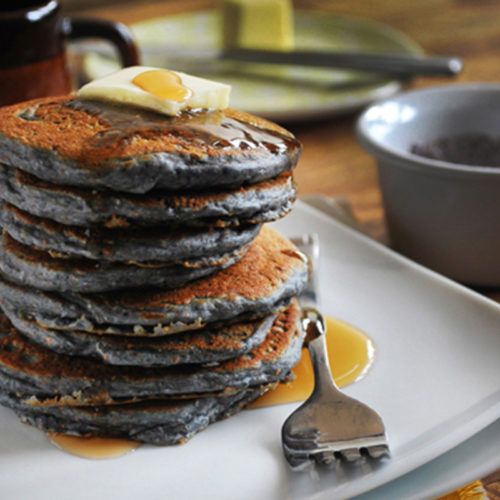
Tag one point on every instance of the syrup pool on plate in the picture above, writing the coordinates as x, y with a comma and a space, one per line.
92, 447
350, 352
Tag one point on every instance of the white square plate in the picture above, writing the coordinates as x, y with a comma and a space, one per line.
435, 381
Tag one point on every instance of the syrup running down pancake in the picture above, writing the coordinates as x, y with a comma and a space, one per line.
96, 144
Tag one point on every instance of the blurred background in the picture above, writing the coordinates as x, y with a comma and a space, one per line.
333, 163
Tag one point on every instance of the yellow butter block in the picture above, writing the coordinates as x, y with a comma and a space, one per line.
257, 24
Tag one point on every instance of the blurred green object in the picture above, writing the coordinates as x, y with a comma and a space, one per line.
257, 24
281, 93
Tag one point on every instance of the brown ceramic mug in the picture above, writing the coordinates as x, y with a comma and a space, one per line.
32, 51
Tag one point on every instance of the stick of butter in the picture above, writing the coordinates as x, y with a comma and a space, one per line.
257, 24
161, 90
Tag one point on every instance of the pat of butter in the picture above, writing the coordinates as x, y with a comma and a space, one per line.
160, 90
257, 24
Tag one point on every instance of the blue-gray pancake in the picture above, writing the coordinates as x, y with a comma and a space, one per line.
270, 273
262, 202
123, 245
25, 265
41, 374
96, 144
209, 345
160, 422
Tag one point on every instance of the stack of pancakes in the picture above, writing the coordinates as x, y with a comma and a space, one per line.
142, 295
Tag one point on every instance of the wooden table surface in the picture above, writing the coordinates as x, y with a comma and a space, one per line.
333, 163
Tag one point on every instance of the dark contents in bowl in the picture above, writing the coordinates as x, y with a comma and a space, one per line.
479, 150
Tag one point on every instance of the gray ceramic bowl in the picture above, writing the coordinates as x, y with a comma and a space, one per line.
444, 215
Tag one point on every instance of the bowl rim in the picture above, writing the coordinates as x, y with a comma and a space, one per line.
379, 149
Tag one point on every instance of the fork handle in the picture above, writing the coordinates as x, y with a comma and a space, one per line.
314, 326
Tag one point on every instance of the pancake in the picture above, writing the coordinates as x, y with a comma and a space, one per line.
29, 369
161, 422
25, 265
95, 144
143, 245
143, 331
203, 346
270, 273
262, 202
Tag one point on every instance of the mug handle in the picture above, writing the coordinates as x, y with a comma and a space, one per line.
117, 33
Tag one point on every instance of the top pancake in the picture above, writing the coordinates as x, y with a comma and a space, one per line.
95, 144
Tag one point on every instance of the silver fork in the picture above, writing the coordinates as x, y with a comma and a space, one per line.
329, 426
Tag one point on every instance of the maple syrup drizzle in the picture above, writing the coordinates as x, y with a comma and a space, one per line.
214, 128
350, 353
92, 447
162, 83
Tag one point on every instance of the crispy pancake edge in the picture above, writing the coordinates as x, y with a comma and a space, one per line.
55, 142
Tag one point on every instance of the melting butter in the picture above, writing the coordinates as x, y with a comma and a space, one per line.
160, 90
